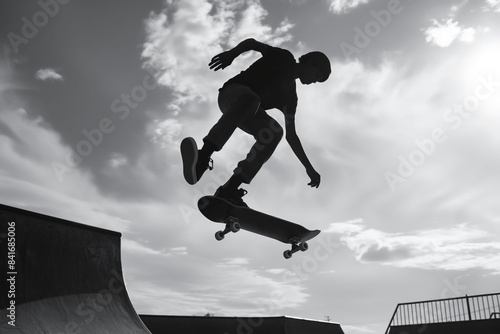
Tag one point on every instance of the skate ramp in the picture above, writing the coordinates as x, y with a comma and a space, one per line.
67, 278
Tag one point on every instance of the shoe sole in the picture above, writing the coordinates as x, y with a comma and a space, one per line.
189, 153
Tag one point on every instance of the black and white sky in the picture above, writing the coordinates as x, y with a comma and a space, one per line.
95, 97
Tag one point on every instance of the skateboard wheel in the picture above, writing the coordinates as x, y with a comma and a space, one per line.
287, 254
303, 246
235, 227
219, 235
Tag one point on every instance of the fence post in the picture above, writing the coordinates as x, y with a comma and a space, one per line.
468, 307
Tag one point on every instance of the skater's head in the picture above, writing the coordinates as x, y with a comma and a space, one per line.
315, 67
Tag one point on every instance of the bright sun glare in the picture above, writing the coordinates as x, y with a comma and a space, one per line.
482, 65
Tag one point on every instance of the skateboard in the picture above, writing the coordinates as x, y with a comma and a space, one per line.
235, 218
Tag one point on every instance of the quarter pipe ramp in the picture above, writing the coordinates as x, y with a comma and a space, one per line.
62, 277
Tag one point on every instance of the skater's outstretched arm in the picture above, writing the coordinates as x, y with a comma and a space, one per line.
224, 59
294, 141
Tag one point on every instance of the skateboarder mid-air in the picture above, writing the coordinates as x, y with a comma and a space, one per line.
268, 83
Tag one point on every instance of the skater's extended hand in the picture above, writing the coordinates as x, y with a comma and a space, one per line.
222, 60
315, 178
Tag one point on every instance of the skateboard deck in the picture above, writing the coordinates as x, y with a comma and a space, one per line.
235, 218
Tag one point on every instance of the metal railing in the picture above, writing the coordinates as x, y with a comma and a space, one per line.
478, 307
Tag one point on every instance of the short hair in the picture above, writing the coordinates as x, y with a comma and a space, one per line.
320, 61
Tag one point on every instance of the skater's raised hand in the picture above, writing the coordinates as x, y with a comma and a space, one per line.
222, 60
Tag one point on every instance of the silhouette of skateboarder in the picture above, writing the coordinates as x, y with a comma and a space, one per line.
268, 83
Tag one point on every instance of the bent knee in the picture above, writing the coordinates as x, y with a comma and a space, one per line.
271, 134
277, 130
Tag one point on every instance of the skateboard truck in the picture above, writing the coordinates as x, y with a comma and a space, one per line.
232, 225
296, 246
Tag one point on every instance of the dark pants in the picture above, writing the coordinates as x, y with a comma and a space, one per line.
240, 108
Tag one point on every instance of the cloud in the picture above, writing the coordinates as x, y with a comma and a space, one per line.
460, 247
457, 8
344, 6
444, 34
166, 132
181, 40
187, 34
232, 262
28, 148
492, 5
117, 160
467, 35
230, 286
48, 74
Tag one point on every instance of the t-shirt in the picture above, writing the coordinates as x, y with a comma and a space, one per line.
271, 77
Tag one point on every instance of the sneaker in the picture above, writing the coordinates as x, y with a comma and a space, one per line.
193, 164
232, 195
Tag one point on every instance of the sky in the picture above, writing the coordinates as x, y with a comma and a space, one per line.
95, 97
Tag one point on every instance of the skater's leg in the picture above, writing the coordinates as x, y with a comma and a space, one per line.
195, 162
237, 103
267, 133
